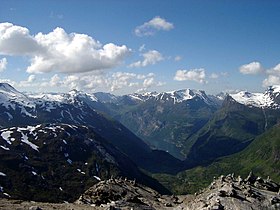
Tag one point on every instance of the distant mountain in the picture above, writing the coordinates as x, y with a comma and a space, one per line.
14, 106
57, 162
77, 108
269, 99
232, 128
165, 120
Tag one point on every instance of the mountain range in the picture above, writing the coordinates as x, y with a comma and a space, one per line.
165, 135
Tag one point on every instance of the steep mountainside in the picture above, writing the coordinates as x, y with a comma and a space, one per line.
78, 109
165, 120
57, 162
231, 129
261, 157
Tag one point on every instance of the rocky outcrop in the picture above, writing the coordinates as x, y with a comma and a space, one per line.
125, 194
224, 193
230, 192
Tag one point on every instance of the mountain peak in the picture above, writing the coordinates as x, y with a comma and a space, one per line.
7, 87
176, 96
261, 100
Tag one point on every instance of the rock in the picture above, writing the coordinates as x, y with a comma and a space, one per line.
124, 193
227, 191
168, 205
275, 200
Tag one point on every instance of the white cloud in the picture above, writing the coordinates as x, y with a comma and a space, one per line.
16, 40
118, 81
148, 82
214, 76
197, 75
58, 51
273, 76
275, 70
177, 58
31, 78
55, 81
3, 64
149, 58
271, 80
29, 82
251, 68
150, 28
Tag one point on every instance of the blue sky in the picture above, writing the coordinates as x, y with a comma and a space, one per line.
128, 46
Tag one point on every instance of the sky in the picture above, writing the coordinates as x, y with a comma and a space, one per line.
126, 46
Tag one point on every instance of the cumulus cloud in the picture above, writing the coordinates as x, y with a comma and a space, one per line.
271, 80
273, 76
275, 70
110, 82
59, 51
3, 64
197, 75
251, 68
156, 24
16, 40
29, 82
149, 58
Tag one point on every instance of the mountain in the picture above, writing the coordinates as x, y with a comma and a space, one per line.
230, 192
57, 162
261, 157
77, 108
242, 117
165, 120
269, 99
15, 107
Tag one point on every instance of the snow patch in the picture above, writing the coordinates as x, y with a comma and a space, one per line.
6, 135
97, 178
260, 100
69, 161
24, 139
5, 148
2, 174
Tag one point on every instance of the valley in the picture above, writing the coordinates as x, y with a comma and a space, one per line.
55, 146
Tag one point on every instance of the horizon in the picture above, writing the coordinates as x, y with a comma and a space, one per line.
144, 92
127, 47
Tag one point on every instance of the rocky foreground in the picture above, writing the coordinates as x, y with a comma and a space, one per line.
225, 192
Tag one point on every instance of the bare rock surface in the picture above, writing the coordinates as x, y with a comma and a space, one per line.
125, 194
230, 192
224, 193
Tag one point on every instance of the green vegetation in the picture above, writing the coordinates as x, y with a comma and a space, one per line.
262, 157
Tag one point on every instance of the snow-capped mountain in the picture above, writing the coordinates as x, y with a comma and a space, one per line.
177, 96
11, 99
74, 108
268, 99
